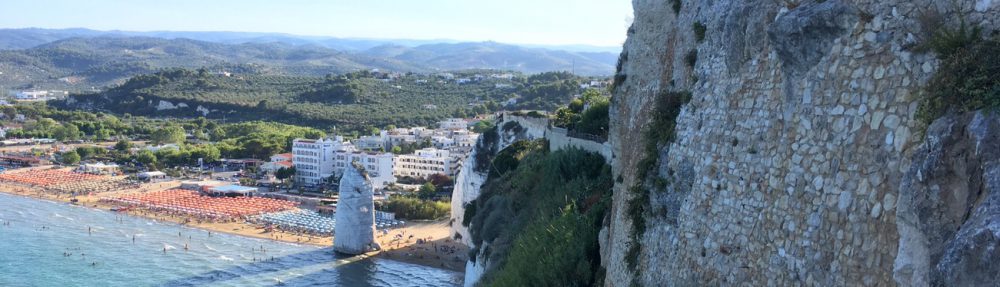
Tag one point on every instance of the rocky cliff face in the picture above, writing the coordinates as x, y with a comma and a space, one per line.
799, 153
948, 214
355, 228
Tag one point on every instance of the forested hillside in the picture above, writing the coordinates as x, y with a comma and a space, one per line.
94, 62
353, 101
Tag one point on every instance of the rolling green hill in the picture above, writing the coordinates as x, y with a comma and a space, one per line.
88, 61
352, 101
77, 63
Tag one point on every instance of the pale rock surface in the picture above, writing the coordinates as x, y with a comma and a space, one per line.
789, 161
354, 232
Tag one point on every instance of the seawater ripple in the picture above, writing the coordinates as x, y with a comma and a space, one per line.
56, 244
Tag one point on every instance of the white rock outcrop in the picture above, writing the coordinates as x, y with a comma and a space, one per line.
355, 229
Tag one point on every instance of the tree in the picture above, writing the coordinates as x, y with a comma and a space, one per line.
86, 152
217, 133
102, 134
396, 149
576, 105
123, 146
169, 134
146, 157
208, 153
200, 134
440, 180
70, 157
66, 132
284, 173
427, 191
595, 119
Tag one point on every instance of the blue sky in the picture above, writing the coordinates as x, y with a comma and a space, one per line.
592, 22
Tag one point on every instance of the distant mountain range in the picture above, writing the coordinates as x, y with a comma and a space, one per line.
81, 57
29, 37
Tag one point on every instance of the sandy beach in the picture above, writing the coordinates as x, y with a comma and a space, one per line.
422, 243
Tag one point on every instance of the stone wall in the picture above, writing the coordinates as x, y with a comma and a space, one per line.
788, 160
558, 137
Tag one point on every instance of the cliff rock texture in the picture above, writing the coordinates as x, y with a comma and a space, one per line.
949, 205
354, 232
799, 153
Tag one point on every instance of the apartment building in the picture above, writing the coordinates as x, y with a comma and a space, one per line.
317, 160
426, 162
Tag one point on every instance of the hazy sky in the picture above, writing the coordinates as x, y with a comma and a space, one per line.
593, 22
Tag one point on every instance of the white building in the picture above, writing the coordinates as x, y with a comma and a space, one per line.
156, 148
31, 95
425, 162
378, 165
313, 159
277, 162
378, 142
442, 142
453, 124
317, 160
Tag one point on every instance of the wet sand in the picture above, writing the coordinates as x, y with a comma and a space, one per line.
436, 249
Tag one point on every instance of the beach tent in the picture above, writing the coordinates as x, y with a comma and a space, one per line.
151, 175
231, 190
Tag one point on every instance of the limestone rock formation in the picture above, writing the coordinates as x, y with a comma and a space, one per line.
795, 148
354, 232
948, 212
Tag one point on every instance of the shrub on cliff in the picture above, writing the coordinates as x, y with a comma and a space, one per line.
966, 81
587, 115
540, 218
699, 31
659, 132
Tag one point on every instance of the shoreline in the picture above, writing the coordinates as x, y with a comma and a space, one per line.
408, 250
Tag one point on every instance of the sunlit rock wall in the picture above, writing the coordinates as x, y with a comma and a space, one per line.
354, 232
789, 161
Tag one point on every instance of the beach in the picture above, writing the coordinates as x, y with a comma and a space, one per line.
422, 243
50, 243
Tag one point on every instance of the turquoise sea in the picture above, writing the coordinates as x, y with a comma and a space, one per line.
56, 244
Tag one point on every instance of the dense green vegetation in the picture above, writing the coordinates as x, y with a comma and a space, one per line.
209, 140
660, 132
410, 208
485, 149
356, 101
541, 210
70, 157
967, 79
587, 114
